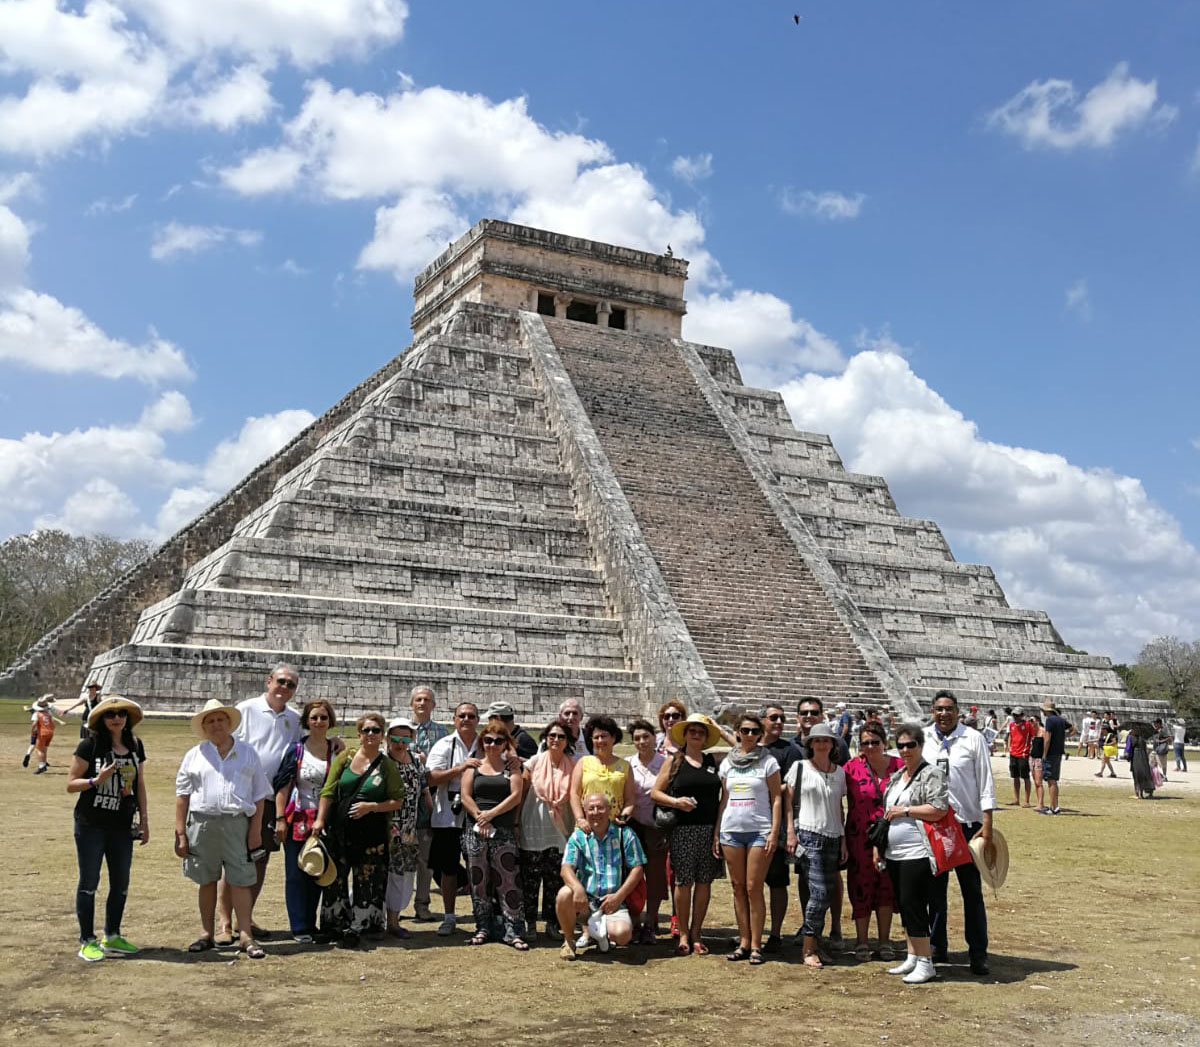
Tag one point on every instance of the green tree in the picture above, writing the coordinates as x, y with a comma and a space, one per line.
1169, 668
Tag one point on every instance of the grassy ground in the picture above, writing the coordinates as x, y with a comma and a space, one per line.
1094, 936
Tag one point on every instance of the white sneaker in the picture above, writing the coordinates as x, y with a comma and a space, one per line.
447, 926
597, 927
923, 972
910, 962
583, 940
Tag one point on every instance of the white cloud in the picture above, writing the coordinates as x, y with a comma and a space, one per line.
39, 332
175, 239
242, 97
828, 204
170, 413
98, 507
105, 206
771, 345
1087, 545
265, 171
14, 249
1051, 113
15, 185
1078, 299
411, 232
692, 168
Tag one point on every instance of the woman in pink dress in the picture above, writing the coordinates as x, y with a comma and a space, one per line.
870, 890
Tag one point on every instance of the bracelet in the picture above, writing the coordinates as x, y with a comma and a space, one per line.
91, 783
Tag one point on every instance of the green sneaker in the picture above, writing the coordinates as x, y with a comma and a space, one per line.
115, 943
91, 951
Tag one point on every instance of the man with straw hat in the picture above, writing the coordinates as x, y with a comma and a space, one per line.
219, 794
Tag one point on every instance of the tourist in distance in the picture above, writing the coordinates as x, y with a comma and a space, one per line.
362, 789
602, 771
688, 783
748, 827
645, 764
814, 794
106, 772
778, 880
601, 868
1054, 746
41, 732
1160, 745
1109, 736
491, 798
1021, 732
1089, 728
870, 889
89, 701
1179, 743
1036, 747
546, 822
297, 785
402, 826
447, 761
220, 791
963, 758
427, 732
914, 795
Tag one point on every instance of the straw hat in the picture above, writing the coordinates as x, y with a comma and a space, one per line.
315, 861
995, 874
679, 729
213, 705
43, 702
115, 701
1049, 707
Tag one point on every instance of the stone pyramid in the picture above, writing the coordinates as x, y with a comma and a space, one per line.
552, 495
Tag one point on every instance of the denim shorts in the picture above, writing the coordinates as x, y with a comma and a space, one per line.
744, 839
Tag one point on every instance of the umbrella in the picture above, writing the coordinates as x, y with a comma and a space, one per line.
1138, 727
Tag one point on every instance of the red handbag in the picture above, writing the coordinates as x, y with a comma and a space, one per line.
948, 842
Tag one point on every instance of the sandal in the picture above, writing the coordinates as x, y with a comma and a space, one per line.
201, 944
814, 961
862, 953
252, 950
683, 948
740, 953
699, 949
225, 943
887, 953
479, 938
757, 958
519, 944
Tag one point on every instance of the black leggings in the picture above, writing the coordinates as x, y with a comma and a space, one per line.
912, 884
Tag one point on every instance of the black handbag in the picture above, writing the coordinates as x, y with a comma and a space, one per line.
666, 818
877, 834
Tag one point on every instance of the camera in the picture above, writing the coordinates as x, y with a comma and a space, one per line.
456, 805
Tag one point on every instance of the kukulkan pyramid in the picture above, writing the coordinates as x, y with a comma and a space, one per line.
551, 494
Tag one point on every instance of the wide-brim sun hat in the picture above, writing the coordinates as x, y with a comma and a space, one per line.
214, 705
44, 702
995, 874
115, 701
678, 730
315, 861
1049, 707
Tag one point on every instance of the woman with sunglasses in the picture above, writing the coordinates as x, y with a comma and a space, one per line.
748, 823
919, 793
491, 794
645, 764
867, 776
546, 823
106, 772
297, 796
362, 788
403, 848
669, 715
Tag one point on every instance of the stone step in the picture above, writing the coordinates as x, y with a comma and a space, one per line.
183, 677
1001, 627
873, 576
328, 625
477, 356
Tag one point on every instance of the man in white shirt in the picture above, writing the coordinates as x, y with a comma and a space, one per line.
1089, 734
445, 764
270, 727
219, 799
963, 756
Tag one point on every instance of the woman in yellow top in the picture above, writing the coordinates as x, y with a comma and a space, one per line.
603, 772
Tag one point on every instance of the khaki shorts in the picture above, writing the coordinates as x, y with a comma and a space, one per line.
217, 842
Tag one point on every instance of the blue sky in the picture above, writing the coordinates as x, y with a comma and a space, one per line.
961, 240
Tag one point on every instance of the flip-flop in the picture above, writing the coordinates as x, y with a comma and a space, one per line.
201, 944
519, 944
252, 950
699, 949
862, 953
813, 962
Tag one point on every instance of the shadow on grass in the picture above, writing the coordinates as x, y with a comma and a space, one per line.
1005, 970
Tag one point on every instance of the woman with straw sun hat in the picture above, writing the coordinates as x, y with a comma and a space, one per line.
106, 772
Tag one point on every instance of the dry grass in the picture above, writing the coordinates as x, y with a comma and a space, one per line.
1095, 936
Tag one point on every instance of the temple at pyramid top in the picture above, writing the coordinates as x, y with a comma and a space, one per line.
516, 267
550, 494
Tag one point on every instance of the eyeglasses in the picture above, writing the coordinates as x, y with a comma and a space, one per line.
283, 681
672, 716
907, 745
489, 739
318, 717
370, 730
777, 718
556, 737
115, 714
466, 716
749, 732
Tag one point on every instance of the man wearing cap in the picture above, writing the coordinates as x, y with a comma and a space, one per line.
963, 757
526, 745
1054, 744
786, 753
1021, 733
219, 798
270, 727
426, 733
89, 702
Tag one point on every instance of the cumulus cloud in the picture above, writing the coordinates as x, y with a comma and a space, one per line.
98, 507
1087, 545
105, 206
772, 345
14, 249
175, 238
1078, 299
828, 204
40, 332
170, 413
242, 97
692, 168
1051, 113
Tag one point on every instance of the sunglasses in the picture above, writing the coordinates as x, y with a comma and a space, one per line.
749, 732
777, 718
115, 714
370, 730
556, 737
907, 745
399, 739
318, 717
489, 739
869, 745
291, 685
809, 712
466, 716
672, 716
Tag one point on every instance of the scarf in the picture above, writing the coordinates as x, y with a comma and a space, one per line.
740, 760
552, 785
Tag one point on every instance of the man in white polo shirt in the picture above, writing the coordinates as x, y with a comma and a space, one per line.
270, 727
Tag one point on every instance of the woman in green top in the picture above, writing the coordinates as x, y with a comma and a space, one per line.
362, 788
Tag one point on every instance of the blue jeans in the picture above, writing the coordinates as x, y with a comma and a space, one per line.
94, 845
975, 928
1180, 756
300, 890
